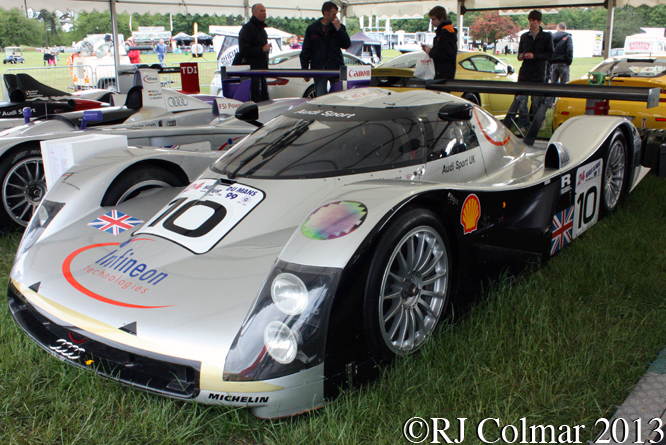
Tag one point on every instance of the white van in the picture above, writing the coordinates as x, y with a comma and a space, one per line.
646, 42
225, 41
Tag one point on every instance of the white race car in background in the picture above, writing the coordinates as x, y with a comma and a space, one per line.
333, 238
151, 116
279, 88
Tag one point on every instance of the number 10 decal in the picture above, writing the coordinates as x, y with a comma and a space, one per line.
588, 191
203, 214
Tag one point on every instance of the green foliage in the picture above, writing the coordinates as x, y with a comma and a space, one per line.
490, 27
96, 23
16, 29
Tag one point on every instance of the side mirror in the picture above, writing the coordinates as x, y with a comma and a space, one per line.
510, 69
248, 112
454, 111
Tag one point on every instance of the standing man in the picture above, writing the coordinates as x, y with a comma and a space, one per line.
161, 50
444, 51
535, 51
562, 54
254, 48
323, 44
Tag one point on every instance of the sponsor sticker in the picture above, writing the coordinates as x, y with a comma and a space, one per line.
562, 228
588, 193
334, 220
101, 269
470, 213
115, 222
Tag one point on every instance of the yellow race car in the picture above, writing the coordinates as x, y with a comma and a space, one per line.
636, 70
472, 65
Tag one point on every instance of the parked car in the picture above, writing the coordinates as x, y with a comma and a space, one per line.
636, 70
334, 236
616, 52
472, 65
149, 116
279, 88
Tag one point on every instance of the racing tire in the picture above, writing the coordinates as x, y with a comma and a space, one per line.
23, 186
472, 98
615, 172
309, 92
138, 179
408, 285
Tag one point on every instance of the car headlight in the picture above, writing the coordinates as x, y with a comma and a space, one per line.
289, 294
285, 331
46, 212
280, 342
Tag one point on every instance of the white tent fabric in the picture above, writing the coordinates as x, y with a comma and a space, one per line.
281, 8
395, 8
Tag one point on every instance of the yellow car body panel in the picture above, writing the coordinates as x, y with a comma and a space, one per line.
472, 65
636, 112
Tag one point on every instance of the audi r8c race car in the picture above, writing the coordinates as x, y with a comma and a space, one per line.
333, 238
24, 91
151, 116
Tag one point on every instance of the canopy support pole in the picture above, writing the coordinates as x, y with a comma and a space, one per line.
459, 12
116, 44
609, 27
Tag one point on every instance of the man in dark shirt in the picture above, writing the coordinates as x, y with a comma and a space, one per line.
444, 51
323, 44
562, 54
535, 51
254, 48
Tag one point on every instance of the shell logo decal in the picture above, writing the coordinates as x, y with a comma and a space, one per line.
471, 211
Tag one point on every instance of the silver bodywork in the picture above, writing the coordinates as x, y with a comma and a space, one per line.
206, 296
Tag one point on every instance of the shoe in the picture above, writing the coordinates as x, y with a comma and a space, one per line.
520, 131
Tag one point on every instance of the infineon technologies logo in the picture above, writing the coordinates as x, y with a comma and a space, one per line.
120, 272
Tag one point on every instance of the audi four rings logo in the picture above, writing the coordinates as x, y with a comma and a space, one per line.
67, 349
177, 101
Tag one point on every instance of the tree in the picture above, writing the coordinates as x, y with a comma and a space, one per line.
490, 27
16, 29
50, 20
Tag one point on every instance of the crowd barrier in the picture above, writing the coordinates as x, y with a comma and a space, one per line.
75, 78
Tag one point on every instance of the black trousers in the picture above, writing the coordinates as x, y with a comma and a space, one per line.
259, 89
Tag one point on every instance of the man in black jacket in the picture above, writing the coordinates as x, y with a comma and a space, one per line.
444, 51
254, 48
535, 51
562, 54
323, 44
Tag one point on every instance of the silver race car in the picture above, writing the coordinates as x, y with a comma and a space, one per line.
150, 116
331, 239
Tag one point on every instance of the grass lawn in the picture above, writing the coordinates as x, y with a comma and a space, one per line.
562, 346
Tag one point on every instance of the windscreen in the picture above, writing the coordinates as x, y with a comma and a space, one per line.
328, 141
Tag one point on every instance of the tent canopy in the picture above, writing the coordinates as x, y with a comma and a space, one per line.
366, 47
298, 8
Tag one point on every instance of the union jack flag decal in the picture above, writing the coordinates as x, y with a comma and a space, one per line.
115, 222
562, 229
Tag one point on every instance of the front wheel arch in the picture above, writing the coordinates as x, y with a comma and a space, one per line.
169, 173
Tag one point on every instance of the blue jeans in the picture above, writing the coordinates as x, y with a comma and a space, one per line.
524, 116
320, 86
560, 73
